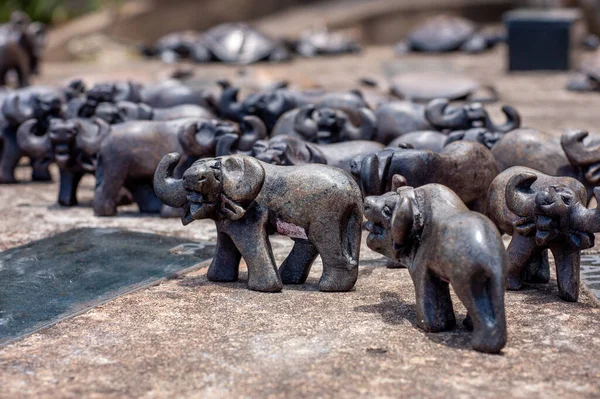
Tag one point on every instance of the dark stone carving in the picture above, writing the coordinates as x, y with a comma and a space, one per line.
452, 167
290, 150
324, 42
320, 207
398, 118
21, 47
124, 111
422, 140
432, 232
179, 45
445, 33
543, 212
38, 102
326, 125
269, 105
445, 118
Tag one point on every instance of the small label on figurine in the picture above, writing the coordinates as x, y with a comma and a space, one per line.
290, 230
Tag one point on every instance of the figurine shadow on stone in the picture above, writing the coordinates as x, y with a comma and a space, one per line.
432, 232
318, 206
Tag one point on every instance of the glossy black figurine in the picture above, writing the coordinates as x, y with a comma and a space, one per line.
543, 212
324, 42
21, 47
124, 111
290, 150
326, 125
466, 168
318, 206
397, 118
431, 231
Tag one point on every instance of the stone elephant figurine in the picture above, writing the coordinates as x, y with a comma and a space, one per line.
73, 145
466, 168
326, 125
37, 103
319, 206
422, 140
432, 232
290, 150
124, 111
21, 47
543, 213
270, 105
398, 118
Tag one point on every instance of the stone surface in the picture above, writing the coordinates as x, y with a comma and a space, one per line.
193, 338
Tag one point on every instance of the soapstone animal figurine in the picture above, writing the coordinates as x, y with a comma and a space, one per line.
432, 232
317, 42
444, 33
397, 118
466, 168
269, 105
326, 125
178, 46
583, 151
290, 150
124, 111
39, 103
318, 206
542, 213
21, 47
73, 145
587, 76
421, 140
443, 117
544, 153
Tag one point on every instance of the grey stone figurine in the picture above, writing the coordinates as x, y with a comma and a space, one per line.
319, 206
543, 213
432, 232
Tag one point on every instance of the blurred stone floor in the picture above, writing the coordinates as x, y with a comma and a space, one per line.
188, 337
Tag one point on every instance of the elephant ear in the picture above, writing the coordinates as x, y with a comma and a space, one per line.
402, 222
242, 178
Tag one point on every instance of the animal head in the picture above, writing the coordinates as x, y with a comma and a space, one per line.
212, 188
583, 151
553, 211
394, 221
330, 125
478, 135
288, 150
123, 111
65, 140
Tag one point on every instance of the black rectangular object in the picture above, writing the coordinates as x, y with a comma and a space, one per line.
58, 277
539, 39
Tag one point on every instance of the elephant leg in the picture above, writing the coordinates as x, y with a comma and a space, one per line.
67, 192
144, 196
226, 263
520, 252
567, 272
538, 269
295, 268
434, 304
11, 154
40, 171
483, 296
109, 182
253, 243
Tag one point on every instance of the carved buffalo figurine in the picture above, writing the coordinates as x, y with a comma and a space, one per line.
543, 212
319, 206
397, 118
453, 167
326, 125
290, 150
432, 232
269, 105
124, 111
21, 47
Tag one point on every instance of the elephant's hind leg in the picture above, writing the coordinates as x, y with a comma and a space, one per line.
295, 268
434, 304
144, 196
567, 272
538, 269
226, 263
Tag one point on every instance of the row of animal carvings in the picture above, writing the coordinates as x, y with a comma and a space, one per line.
425, 200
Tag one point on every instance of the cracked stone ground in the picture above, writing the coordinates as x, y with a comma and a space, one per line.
188, 337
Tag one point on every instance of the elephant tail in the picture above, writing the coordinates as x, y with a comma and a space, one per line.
351, 234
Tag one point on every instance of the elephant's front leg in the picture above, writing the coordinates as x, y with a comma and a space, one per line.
521, 251
434, 305
538, 269
40, 171
226, 263
250, 238
295, 268
9, 159
69, 181
567, 272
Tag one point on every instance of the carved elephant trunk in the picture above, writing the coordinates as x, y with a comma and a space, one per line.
170, 191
